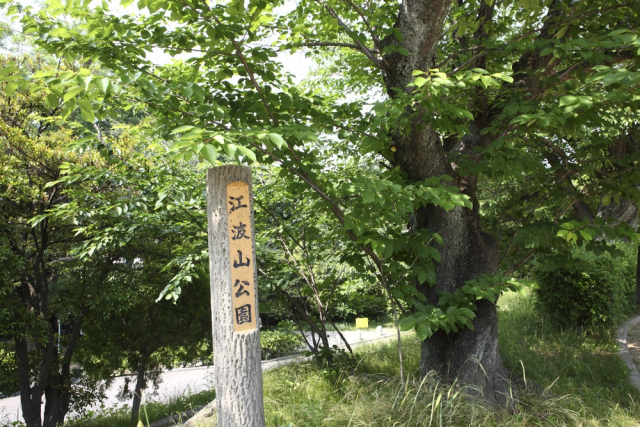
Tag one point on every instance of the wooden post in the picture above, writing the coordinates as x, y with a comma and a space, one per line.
234, 297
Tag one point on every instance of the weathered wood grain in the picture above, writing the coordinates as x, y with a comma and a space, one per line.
236, 354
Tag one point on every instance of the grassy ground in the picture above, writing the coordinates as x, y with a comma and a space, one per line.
150, 411
573, 378
582, 369
579, 380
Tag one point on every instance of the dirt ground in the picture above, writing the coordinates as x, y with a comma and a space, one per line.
633, 342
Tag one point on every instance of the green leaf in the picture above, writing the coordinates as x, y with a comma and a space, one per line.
10, 88
277, 140
186, 91
422, 277
546, 51
7, 70
230, 149
420, 81
53, 101
424, 331
180, 143
388, 250
612, 78
568, 100
86, 110
447, 205
182, 129
248, 153
59, 32
210, 153
561, 32
103, 84
368, 196
466, 114
84, 81
407, 323
71, 93
585, 235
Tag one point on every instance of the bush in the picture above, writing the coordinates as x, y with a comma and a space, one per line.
278, 343
8, 371
588, 290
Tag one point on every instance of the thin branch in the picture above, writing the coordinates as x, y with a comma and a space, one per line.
467, 62
365, 50
374, 37
557, 150
331, 44
519, 264
272, 215
344, 340
253, 80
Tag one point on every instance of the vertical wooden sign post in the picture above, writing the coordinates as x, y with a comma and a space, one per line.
234, 297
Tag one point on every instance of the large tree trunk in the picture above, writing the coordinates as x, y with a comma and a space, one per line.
470, 356
53, 414
30, 397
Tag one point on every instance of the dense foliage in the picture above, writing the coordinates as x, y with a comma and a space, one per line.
277, 343
588, 290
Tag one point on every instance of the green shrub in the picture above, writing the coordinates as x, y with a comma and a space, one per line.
278, 343
8, 370
588, 290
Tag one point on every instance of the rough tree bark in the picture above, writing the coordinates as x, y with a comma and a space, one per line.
238, 367
470, 356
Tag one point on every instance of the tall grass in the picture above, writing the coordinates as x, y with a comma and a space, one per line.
572, 378
579, 366
303, 395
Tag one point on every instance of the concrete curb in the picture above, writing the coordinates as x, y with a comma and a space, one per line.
634, 376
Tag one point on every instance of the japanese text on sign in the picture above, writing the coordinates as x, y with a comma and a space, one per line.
241, 252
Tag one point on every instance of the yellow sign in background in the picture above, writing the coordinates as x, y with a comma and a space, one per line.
241, 257
362, 322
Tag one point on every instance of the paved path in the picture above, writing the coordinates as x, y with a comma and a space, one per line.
629, 342
175, 382
191, 380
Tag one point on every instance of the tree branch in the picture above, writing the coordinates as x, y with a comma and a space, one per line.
331, 44
365, 50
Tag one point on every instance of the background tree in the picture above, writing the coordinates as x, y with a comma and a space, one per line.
301, 267
128, 332
32, 148
128, 328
